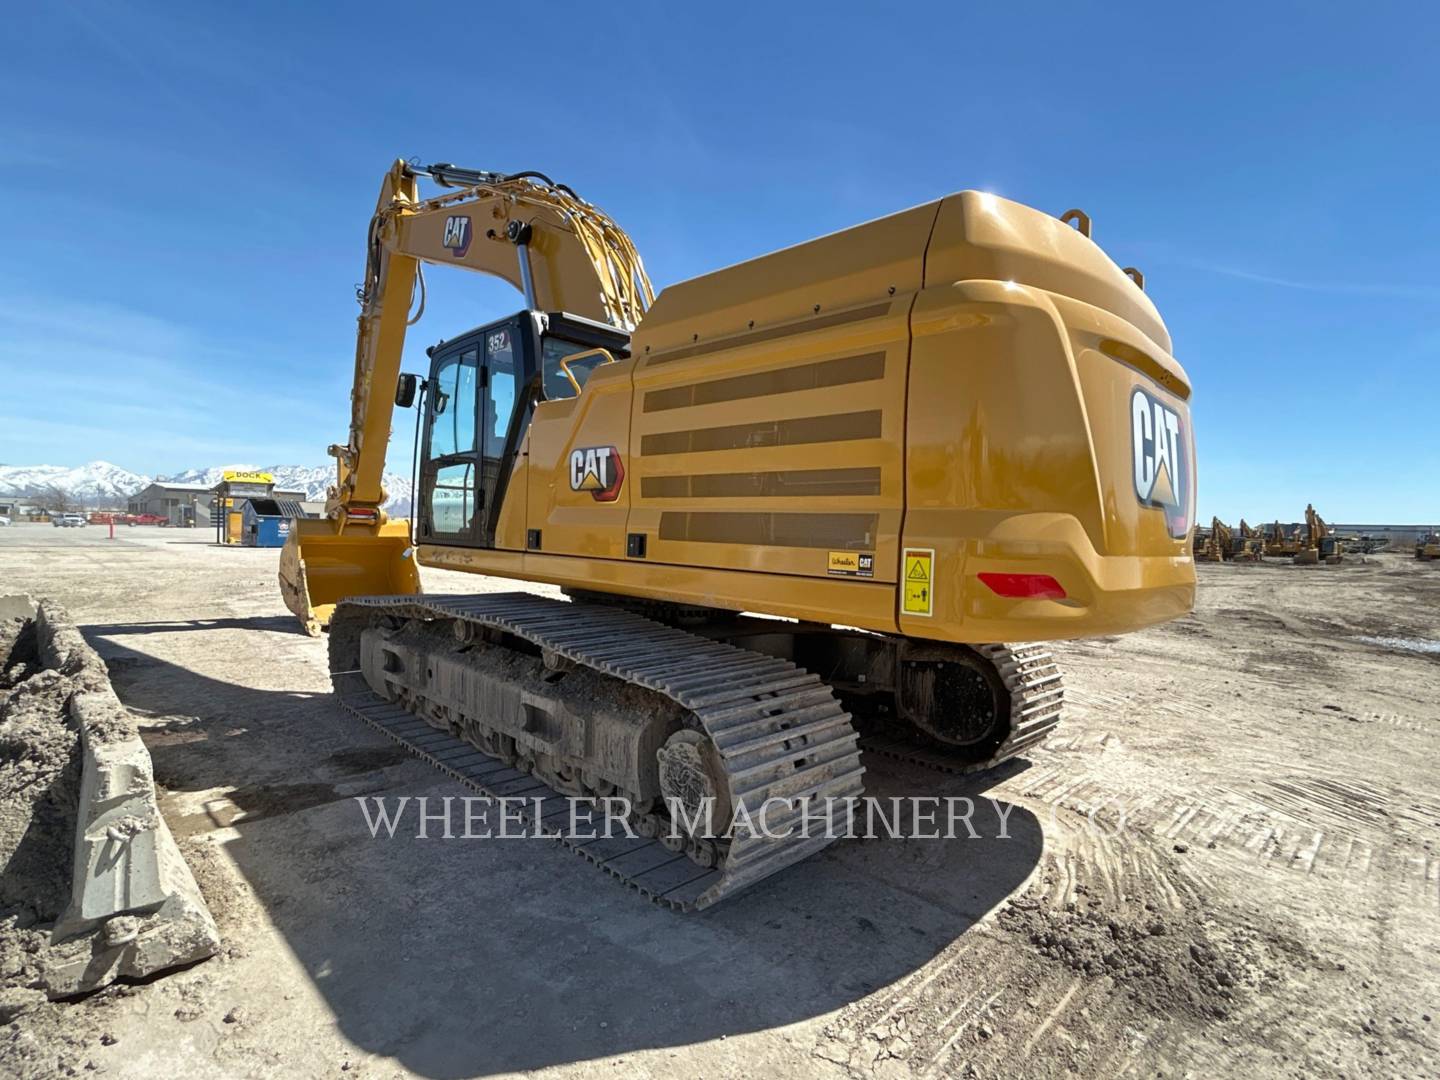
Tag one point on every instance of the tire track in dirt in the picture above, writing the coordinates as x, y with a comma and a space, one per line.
1341, 830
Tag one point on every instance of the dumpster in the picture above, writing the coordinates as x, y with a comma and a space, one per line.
266, 522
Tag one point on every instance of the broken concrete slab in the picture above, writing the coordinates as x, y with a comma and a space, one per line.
134, 908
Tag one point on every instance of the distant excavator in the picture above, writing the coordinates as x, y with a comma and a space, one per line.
1224, 544
1216, 545
905, 449
1248, 545
1319, 541
1279, 542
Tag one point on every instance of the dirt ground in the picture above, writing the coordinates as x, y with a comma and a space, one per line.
1224, 865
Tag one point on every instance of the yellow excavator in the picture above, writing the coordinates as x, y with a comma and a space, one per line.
816, 498
1280, 542
1216, 546
1249, 544
1427, 545
1318, 541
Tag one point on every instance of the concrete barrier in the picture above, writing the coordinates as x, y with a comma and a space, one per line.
134, 909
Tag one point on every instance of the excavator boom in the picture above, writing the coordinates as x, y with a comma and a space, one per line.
560, 251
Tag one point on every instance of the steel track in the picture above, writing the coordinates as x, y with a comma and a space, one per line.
1037, 700
779, 730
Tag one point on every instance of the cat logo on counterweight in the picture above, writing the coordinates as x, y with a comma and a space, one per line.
1160, 449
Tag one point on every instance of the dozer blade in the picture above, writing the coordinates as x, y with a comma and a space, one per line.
320, 566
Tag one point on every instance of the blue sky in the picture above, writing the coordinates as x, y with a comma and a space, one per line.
187, 188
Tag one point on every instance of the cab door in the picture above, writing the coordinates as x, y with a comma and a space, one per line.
470, 435
449, 469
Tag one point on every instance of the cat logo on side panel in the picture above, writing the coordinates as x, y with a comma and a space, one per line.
598, 470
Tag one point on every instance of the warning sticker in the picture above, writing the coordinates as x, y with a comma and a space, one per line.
918, 582
851, 563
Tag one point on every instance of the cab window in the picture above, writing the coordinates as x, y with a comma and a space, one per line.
557, 386
452, 406
450, 495
498, 401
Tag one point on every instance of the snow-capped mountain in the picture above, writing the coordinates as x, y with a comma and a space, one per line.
98, 480
311, 480
101, 482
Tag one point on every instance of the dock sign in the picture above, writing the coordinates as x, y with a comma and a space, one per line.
918, 582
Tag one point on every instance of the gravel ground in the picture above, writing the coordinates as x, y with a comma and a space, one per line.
1224, 865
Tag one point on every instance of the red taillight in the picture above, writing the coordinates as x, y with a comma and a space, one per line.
1024, 586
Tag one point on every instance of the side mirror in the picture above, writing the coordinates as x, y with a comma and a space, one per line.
405, 390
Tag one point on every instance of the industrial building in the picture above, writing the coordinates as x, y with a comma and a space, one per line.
180, 504
1399, 536
194, 505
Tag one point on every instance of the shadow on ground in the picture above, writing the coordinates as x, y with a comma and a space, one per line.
472, 957
285, 624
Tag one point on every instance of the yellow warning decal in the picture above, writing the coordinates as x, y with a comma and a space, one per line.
919, 585
851, 563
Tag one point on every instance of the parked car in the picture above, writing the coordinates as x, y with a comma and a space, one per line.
69, 521
4, 521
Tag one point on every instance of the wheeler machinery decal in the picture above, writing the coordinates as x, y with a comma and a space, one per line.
851, 563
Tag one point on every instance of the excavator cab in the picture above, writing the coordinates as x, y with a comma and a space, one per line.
477, 403
481, 393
